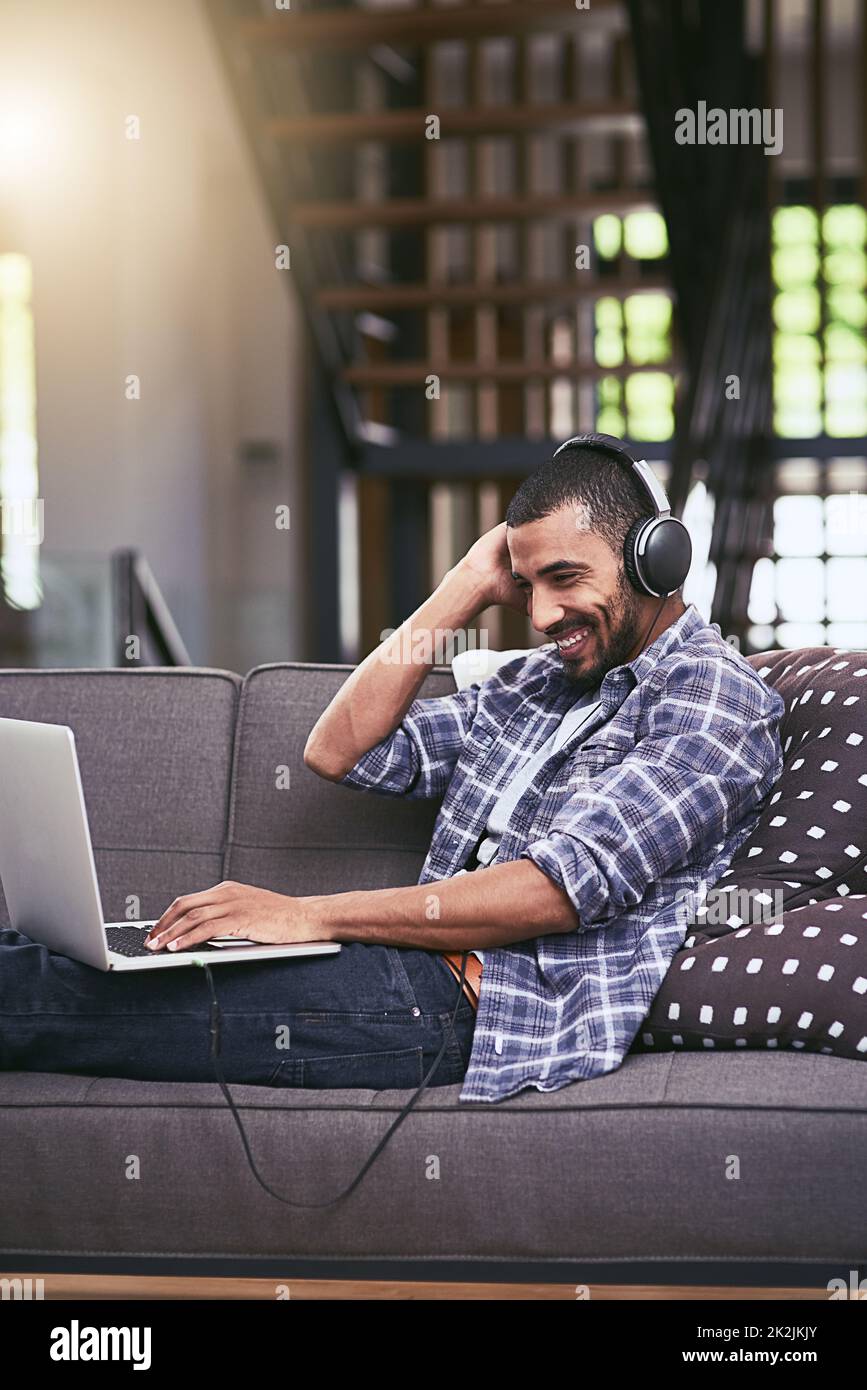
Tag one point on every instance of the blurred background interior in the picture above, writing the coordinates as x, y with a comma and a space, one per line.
270, 358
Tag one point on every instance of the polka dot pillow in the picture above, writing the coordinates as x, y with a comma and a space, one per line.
810, 842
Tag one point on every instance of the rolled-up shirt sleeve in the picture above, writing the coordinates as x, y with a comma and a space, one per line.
418, 758
711, 754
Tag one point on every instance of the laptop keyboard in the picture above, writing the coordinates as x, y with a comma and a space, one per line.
129, 941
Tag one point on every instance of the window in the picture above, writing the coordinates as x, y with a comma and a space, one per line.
819, 267
19, 485
811, 592
633, 330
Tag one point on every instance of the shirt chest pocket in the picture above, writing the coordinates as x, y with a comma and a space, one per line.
484, 732
577, 771
596, 756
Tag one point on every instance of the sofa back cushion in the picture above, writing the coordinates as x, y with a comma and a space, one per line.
155, 751
291, 830
192, 775
810, 842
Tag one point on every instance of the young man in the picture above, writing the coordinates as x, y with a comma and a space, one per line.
586, 787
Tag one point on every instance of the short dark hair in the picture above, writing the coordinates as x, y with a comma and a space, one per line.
603, 484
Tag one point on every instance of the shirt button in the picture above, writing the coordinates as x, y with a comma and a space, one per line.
416, 1013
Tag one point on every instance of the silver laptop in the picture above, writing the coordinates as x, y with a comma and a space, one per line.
48, 870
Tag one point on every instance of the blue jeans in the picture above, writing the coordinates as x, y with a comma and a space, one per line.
373, 1016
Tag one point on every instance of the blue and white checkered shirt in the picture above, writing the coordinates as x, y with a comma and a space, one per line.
646, 805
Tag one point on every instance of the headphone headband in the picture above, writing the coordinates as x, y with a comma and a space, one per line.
606, 442
658, 550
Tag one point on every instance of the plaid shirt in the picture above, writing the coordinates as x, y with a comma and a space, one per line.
647, 803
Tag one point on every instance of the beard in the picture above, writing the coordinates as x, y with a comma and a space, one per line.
586, 673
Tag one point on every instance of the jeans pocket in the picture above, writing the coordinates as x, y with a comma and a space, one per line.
399, 1069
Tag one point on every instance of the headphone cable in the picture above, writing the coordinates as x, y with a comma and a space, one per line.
653, 623
221, 1080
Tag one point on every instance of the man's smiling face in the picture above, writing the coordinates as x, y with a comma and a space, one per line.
577, 594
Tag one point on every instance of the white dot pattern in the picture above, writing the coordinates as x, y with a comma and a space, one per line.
800, 982
816, 816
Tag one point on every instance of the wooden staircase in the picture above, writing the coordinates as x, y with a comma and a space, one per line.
450, 309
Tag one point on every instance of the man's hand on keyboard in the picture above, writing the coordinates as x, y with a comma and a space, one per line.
233, 909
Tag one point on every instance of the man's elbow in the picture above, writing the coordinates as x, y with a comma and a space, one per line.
560, 909
568, 918
317, 758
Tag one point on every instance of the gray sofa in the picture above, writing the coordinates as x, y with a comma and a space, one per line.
620, 1179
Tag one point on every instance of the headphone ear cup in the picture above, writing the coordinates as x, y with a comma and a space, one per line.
629, 546
667, 555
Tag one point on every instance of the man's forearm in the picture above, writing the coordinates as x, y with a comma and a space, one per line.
375, 697
487, 908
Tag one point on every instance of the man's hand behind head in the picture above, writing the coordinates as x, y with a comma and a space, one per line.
489, 563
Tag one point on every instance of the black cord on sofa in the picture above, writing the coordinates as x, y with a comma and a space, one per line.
215, 1050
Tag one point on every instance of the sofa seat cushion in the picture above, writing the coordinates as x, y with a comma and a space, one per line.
621, 1166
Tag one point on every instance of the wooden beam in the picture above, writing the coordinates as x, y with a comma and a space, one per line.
374, 521
820, 182
407, 212
416, 373
109, 1287
357, 29
862, 99
515, 629
460, 460
608, 117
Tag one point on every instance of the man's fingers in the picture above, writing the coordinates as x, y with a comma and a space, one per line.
195, 925
183, 905
174, 911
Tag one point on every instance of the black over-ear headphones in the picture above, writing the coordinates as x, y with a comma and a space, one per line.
657, 550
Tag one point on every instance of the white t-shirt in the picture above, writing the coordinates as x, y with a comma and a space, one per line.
501, 811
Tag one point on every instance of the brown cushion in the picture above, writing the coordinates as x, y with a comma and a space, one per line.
810, 842
799, 983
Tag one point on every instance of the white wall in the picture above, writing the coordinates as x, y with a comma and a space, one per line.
153, 257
